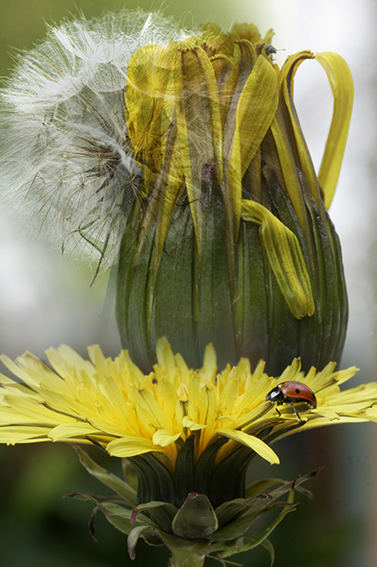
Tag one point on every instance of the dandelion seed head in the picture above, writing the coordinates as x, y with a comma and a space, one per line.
64, 149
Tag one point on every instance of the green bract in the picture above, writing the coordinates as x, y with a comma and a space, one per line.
195, 529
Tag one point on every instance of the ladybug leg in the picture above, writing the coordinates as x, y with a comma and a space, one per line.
278, 411
294, 409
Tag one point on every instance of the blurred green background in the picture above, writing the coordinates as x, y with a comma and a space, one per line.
38, 528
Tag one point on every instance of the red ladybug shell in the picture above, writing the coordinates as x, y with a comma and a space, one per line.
291, 391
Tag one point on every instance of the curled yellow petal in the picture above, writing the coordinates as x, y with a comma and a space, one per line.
287, 75
163, 437
285, 258
255, 111
341, 83
192, 425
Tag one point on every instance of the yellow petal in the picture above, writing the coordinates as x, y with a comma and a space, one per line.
165, 355
163, 437
23, 434
256, 108
287, 75
209, 368
192, 425
130, 447
289, 169
255, 111
340, 79
71, 430
199, 126
285, 257
253, 443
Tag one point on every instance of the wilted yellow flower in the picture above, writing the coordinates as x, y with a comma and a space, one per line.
230, 241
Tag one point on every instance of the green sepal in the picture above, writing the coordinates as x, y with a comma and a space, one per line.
129, 474
263, 485
133, 538
239, 526
133, 300
259, 540
251, 303
215, 284
107, 478
174, 542
161, 513
196, 526
332, 298
196, 518
239, 546
184, 470
205, 463
281, 321
155, 480
117, 515
227, 511
172, 308
224, 486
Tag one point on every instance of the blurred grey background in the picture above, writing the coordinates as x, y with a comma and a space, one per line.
46, 299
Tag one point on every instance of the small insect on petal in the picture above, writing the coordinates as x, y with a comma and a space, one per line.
292, 392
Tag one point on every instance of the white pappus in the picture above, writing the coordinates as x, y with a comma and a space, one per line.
66, 164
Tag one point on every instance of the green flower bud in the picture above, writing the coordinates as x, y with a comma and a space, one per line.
229, 240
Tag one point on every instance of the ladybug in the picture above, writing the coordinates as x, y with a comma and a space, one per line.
291, 392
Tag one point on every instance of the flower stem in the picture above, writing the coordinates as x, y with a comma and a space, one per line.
185, 558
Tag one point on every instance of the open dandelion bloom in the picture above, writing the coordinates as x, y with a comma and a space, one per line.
183, 152
175, 417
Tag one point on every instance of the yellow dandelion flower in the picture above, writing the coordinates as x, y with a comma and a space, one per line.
174, 413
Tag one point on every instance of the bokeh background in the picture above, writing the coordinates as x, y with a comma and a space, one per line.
45, 299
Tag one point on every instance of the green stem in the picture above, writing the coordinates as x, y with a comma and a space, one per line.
185, 558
